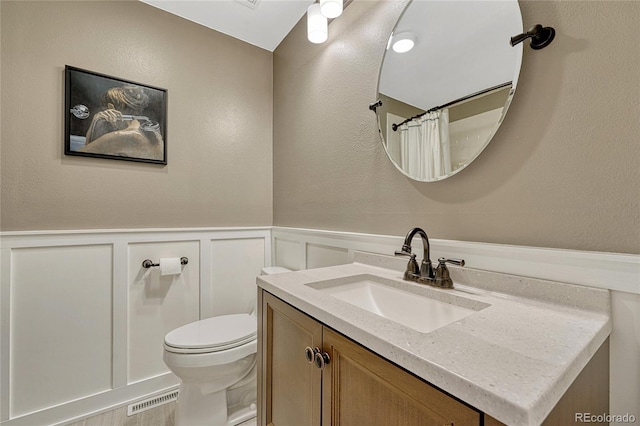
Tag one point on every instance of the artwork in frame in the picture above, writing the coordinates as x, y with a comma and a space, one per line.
108, 117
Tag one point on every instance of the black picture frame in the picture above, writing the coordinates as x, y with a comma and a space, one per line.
112, 118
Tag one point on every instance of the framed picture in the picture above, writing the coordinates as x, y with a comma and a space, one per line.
107, 117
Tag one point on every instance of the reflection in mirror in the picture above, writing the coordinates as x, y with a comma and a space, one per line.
444, 98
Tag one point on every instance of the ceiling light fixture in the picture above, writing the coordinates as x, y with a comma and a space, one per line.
331, 8
317, 25
403, 42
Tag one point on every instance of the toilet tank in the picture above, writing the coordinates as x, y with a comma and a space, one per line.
269, 270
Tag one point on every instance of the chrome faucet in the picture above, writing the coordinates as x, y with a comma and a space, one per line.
425, 273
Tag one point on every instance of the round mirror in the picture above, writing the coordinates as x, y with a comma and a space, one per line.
446, 82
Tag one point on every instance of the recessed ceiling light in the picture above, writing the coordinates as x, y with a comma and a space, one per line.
403, 42
253, 4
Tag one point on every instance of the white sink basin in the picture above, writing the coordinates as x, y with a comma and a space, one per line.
385, 298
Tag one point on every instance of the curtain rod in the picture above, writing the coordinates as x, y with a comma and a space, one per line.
448, 104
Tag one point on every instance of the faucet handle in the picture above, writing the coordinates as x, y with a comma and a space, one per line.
457, 262
413, 270
442, 278
405, 251
412, 266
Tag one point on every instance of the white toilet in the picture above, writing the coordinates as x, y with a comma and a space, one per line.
215, 359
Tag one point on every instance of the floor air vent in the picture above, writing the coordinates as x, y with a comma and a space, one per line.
147, 404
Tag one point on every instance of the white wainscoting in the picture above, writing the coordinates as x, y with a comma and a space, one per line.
61, 325
82, 322
158, 304
236, 262
307, 248
297, 248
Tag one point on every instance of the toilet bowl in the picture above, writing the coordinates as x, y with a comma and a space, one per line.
215, 360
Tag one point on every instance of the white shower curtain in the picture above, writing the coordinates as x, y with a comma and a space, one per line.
424, 146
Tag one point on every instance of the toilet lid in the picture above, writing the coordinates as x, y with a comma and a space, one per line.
214, 334
269, 270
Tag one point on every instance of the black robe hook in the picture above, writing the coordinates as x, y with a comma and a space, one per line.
540, 37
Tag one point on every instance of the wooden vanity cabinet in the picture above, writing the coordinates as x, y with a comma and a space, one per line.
356, 387
289, 387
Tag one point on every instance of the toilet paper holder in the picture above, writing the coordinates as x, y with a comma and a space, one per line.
147, 263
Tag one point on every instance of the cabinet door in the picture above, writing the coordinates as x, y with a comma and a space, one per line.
290, 386
361, 388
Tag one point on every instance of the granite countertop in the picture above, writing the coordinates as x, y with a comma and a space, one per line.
512, 359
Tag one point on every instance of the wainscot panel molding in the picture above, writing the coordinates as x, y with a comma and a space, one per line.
61, 325
82, 322
297, 248
59, 270
159, 304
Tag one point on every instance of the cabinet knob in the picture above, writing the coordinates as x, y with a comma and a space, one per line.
321, 360
310, 353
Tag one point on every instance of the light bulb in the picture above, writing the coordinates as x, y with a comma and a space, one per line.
317, 26
331, 8
403, 42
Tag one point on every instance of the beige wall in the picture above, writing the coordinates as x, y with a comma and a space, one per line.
219, 125
563, 171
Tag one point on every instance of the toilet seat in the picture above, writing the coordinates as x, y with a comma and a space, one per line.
212, 334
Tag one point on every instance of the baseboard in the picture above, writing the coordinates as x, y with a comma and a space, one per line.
96, 404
